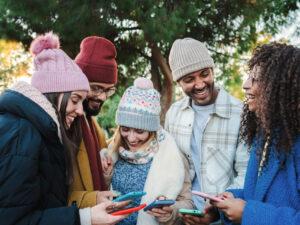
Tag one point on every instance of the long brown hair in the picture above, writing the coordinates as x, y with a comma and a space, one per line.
71, 137
276, 122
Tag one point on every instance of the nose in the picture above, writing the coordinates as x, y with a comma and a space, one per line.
131, 136
199, 84
102, 97
79, 110
247, 84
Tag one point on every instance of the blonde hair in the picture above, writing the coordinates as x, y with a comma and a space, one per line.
118, 141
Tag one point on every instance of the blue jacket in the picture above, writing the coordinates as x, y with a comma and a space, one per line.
32, 166
274, 197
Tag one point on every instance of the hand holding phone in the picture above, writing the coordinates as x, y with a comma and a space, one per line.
129, 210
193, 212
203, 195
159, 204
130, 196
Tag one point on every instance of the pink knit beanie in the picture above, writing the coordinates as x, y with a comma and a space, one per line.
54, 70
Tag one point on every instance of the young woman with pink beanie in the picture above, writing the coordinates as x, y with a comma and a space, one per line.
39, 133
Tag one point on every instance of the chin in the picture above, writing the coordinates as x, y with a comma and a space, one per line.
252, 109
203, 102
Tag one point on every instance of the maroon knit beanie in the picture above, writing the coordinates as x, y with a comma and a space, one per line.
97, 59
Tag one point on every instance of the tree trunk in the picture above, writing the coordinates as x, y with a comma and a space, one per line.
166, 83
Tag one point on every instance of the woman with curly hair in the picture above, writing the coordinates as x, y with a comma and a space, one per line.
271, 125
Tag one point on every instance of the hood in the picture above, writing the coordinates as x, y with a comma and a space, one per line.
25, 101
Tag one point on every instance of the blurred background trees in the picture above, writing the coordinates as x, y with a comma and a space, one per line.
144, 30
14, 62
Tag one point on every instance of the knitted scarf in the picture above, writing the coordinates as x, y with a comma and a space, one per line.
92, 147
142, 156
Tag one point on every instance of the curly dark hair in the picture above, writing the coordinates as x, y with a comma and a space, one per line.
277, 120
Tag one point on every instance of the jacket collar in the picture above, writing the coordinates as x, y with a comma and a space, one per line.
222, 106
23, 100
267, 175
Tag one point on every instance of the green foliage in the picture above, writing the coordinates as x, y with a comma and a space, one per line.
229, 28
106, 118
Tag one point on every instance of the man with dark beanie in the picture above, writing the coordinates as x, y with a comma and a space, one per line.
97, 61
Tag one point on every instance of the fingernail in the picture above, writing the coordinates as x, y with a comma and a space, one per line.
117, 192
224, 196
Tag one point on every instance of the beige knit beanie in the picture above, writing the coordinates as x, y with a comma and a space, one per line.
188, 55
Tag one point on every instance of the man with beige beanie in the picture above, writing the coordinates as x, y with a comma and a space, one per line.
205, 125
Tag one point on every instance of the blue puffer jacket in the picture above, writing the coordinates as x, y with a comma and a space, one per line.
32, 165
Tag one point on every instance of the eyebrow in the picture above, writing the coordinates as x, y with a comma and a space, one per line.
205, 70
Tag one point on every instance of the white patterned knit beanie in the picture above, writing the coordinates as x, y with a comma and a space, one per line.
188, 55
140, 106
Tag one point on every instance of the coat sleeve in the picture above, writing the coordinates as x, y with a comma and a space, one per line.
257, 212
184, 199
20, 180
238, 193
240, 166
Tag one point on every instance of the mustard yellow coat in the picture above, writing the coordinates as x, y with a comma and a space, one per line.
82, 190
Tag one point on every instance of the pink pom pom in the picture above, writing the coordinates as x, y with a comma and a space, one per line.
143, 83
47, 41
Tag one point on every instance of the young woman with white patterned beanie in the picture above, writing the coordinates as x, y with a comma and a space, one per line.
144, 157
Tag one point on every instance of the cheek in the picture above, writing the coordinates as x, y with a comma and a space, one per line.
187, 87
123, 134
209, 80
70, 107
144, 137
89, 95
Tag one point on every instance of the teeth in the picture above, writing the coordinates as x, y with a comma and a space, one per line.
200, 92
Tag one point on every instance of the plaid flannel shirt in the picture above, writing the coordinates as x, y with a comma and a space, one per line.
223, 159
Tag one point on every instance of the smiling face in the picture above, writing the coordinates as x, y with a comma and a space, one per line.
134, 138
251, 88
199, 86
95, 99
74, 106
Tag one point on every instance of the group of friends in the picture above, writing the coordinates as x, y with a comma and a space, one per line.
56, 167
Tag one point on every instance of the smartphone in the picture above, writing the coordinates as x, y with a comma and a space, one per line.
193, 212
130, 196
203, 195
130, 210
159, 204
